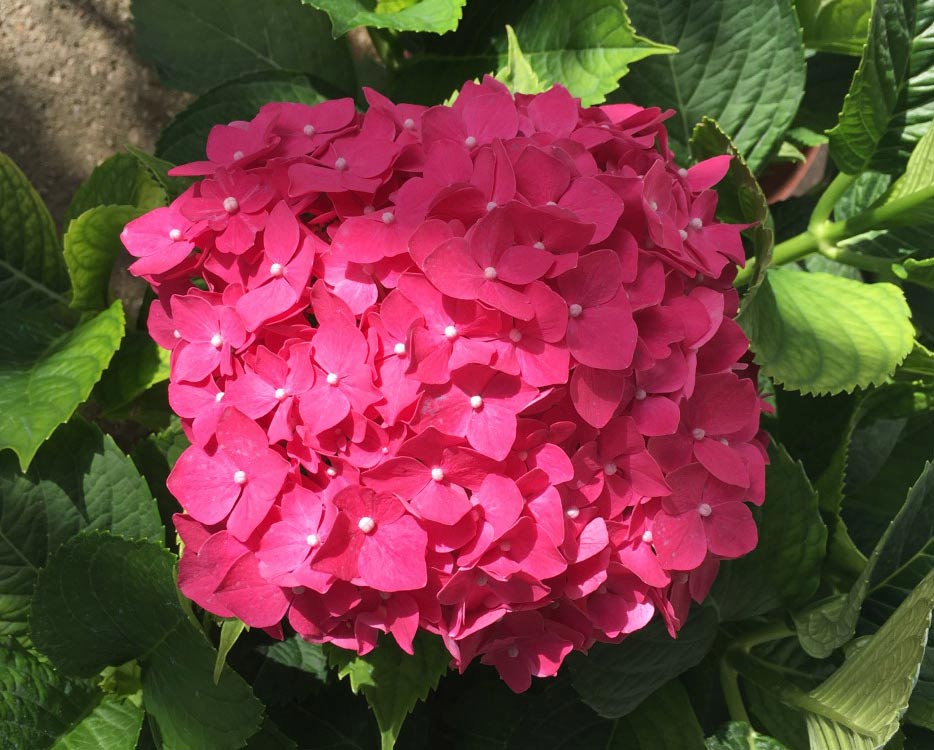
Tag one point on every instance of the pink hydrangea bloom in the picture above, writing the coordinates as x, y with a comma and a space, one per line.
466, 369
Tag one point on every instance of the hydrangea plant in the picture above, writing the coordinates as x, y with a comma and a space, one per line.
576, 341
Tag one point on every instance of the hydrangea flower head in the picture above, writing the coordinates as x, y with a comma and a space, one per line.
469, 369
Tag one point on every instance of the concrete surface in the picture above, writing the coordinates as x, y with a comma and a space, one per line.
72, 91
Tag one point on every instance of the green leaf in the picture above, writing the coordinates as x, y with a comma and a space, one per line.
184, 138
188, 708
114, 724
32, 272
231, 630
92, 245
741, 198
43, 382
839, 26
819, 333
900, 559
557, 720
158, 169
586, 46
784, 569
87, 581
238, 37
436, 16
914, 188
860, 705
738, 735
614, 679
37, 704
918, 363
517, 73
139, 364
741, 62
121, 180
915, 107
873, 96
79, 480
297, 653
393, 681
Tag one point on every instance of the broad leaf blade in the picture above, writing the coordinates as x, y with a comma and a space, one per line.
121, 180
436, 16
89, 579
740, 62
738, 735
92, 246
188, 708
238, 37
393, 681
32, 272
517, 73
839, 26
114, 724
39, 392
37, 704
874, 92
860, 705
819, 333
614, 679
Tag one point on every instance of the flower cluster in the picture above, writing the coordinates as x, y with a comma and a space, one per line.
471, 369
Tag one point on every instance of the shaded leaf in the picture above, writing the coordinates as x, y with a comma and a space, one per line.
740, 62
121, 180
839, 26
239, 37
437, 16
114, 724
738, 735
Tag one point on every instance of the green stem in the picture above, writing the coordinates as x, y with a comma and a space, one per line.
729, 676
827, 201
784, 252
729, 684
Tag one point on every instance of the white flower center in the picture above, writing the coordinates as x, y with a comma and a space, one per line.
683, 234
437, 473
724, 441
697, 433
610, 468
388, 217
522, 455
653, 205
217, 341
704, 510
309, 130
683, 172
572, 512
647, 537
408, 123
476, 402
513, 652
491, 205
175, 234
238, 155
366, 525
218, 397
640, 394
177, 334
332, 378
695, 223
331, 471
275, 269
399, 348
470, 141
240, 477
340, 164
575, 310
539, 245
505, 546
312, 540
450, 332
489, 273
280, 393
515, 335
231, 205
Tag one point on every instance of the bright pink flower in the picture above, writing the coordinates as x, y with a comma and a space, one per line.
375, 542
471, 370
241, 476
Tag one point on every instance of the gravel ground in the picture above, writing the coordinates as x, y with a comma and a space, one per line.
72, 91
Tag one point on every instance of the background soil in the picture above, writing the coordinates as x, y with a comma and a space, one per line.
72, 91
